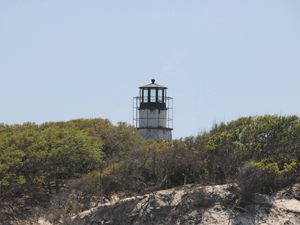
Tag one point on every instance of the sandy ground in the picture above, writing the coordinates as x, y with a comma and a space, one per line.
195, 205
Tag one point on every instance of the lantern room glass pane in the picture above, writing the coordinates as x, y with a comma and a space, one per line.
160, 95
145, 95
152, 95
141, 95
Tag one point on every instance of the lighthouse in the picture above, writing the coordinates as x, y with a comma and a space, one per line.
153, 112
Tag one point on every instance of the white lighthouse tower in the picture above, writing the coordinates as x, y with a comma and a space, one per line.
153, 112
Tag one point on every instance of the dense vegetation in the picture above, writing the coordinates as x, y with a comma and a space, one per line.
82, 161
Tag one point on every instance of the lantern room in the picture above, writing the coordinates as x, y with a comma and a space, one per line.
153, 96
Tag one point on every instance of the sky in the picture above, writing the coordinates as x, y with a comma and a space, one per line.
221, 60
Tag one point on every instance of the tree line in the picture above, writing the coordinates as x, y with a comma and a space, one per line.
97, 159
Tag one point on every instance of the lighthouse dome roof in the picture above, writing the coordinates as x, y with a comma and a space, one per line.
153, 85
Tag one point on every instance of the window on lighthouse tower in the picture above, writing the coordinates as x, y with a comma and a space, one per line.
152, 95
145, 95
160, 96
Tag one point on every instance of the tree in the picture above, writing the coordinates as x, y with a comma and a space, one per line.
223, 156
268, 138
69, 153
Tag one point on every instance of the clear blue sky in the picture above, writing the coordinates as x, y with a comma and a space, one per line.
221, 60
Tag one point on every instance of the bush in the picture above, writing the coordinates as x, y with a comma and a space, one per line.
248, 181
252, 179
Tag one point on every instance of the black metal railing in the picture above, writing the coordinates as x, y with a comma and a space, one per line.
148, 121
